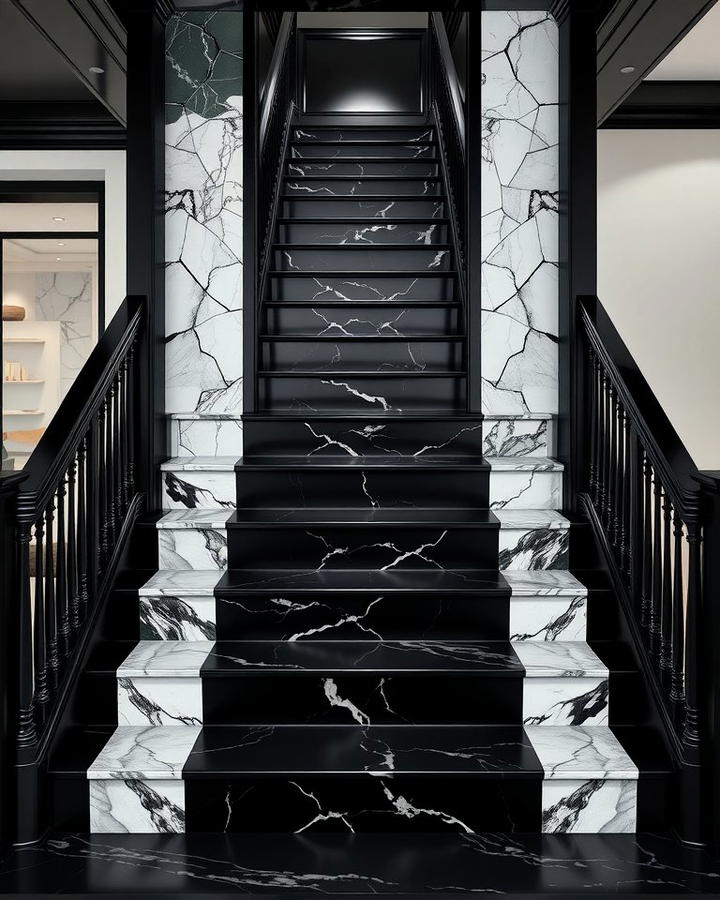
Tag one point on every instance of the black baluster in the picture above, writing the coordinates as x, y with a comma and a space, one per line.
612, 465
42, 692
628, 495
647, 545
51, 614
602, 492
655, 621
72, 568
61, 585
667, 596
677, 681
82, 538
27, 732
98, 475
110, 467
124, 481
620, 485
117, 456
131, 420
692, 738
592, 370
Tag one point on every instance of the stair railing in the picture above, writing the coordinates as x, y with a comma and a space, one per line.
447, 103
77, 498
651, 505
277, 106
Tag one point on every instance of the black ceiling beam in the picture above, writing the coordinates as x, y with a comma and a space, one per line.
86, 33
669, 104
59, 126
639, 33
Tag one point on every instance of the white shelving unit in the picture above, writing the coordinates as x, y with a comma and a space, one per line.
29, 405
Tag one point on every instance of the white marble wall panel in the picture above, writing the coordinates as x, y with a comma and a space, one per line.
66, 297
160, 701
565, 701
203, 138
197, 548
520, 182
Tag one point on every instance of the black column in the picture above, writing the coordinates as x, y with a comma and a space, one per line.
146, 227
578, 221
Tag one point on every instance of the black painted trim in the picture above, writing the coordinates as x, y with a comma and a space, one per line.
59, 126
669, 104
86, 33
639, 33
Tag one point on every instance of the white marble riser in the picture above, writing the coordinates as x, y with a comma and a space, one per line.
193, 548
518, 436
198, 490
533, 487
194, 434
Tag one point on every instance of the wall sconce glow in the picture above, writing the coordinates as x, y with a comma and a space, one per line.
627, 70
96, 70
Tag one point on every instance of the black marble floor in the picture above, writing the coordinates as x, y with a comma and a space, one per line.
361, 865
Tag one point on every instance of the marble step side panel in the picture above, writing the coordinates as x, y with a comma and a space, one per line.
547, 605
565, 683
179, 605
518, 435
205, 434
193, 539
159, 683
153, 800
525, 483
590, 782
199, 482
532, 539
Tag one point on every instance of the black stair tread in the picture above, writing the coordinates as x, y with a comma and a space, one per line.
389, 273
322, 248
471, 463
409, 518
397, 581
352, 305
363, 198
297, 336
479, 658
394, 142
415, 866
358, 220
310, 415
399, 160
331, 177
328, 749
379, 417
339, 374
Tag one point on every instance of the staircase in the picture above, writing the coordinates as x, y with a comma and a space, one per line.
368, 623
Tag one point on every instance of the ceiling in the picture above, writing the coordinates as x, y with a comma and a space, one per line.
36, 250
39, 217
697, 56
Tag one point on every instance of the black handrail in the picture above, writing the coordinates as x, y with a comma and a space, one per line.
269, 90
77, 495
449, 72
648, 500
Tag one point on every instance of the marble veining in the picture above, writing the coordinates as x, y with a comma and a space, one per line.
548, 618
136, 806
198, 490
168, 618
558, 700
520, 183
512, 437
67, 298
596, 806
203, 205
535, 548
580, 752
211, 435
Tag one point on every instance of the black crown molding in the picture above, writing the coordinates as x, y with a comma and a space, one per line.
59, 126
669, 104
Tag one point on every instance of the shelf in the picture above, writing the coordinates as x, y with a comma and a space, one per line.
23, 412
25, 381
11, 340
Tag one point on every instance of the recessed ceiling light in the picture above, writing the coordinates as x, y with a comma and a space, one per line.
61, 244
58, 258
96, 70
58, 218
627, 70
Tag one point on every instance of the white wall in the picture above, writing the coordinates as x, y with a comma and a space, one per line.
83, 165
659, 269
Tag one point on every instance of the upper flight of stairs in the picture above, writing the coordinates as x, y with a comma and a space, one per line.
368, 622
